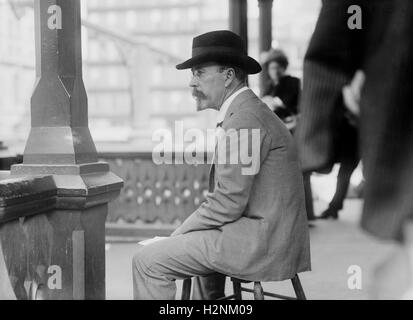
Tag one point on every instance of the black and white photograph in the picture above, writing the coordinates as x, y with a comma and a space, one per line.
226, 150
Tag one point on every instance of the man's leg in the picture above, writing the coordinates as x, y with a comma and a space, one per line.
210, 287
308, 196
343, 180
347, 166
157, 266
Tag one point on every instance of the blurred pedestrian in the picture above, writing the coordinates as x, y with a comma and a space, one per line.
383, 48
348, 158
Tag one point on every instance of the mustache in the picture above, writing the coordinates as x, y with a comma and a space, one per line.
198, 94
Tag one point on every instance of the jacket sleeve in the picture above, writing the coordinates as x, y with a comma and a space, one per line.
234, 179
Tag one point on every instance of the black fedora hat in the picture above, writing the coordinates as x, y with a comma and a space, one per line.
220, 46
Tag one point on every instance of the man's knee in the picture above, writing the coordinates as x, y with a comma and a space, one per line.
148, 261
140, 260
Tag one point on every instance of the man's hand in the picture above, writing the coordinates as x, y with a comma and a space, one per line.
352, 93
290, 122
268, 100
278, 102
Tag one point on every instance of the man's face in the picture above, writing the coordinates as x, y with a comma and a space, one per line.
208, 86
275, 70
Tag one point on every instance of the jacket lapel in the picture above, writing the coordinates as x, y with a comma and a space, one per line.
211, 185
212, 168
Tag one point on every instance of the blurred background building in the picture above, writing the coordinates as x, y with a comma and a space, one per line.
130, 51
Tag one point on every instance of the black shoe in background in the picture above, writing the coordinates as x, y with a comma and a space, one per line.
329, 213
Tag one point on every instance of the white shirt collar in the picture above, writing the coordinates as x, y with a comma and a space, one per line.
224, 108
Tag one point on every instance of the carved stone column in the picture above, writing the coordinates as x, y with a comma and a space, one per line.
265, 33
60, 146
59, 118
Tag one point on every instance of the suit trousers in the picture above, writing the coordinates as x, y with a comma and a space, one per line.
156, 266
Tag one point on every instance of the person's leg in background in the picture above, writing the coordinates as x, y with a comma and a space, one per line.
347, 166
156, 266
308, 196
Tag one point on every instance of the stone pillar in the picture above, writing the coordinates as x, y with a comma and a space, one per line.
60, 146
238, 19
59, 118
265, 33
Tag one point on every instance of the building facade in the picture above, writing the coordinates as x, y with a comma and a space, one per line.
130, 49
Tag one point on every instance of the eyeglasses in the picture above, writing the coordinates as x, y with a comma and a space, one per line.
199, 73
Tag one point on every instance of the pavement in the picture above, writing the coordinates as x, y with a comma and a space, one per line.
340, 250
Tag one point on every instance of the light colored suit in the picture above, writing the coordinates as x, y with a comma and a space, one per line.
253, 227
261, 218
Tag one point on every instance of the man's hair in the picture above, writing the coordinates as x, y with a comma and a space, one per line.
240, 74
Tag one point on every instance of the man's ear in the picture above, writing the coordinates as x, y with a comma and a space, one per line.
230, 77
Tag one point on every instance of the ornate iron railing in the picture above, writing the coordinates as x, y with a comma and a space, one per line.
155, 198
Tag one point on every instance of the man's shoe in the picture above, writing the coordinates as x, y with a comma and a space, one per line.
329, 213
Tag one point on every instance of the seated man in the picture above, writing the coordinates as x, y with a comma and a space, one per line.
253, 223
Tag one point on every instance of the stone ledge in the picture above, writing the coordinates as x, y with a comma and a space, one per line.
74, 169
21, 196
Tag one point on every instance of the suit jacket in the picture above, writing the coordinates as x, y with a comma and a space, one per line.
383, 49
261, 218
288, 90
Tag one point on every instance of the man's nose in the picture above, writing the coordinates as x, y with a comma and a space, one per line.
193, 83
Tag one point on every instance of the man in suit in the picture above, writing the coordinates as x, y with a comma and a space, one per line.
253, 223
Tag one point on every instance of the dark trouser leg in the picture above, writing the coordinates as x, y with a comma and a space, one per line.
308, 196
343, 180
211, 287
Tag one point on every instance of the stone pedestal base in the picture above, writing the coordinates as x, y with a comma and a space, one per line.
52, 230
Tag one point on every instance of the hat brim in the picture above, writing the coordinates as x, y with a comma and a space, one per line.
246, 63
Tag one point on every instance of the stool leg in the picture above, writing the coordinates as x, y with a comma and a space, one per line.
237, 290
258, 291
299, 292
186, 289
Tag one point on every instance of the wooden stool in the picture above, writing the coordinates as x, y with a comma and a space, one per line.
258, 291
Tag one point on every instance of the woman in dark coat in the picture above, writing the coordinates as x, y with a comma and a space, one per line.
282, 91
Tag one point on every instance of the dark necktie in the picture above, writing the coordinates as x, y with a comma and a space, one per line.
212, 170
